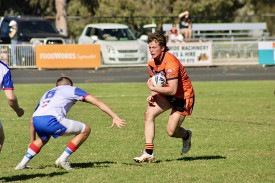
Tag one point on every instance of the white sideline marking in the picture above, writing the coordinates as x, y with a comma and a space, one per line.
102, 96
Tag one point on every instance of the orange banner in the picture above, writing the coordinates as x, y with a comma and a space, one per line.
68, 56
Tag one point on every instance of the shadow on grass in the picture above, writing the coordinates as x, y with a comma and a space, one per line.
93, 164
23, 177
181, 159
192, 158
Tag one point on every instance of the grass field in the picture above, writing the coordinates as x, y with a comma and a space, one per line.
233, 127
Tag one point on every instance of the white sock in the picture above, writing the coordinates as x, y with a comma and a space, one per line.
64, 156
28, 156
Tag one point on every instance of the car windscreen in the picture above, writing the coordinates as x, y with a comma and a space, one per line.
35, 26
5, 28
115, 34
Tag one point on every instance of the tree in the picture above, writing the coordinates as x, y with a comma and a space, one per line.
27, 7
61, 16
209, 11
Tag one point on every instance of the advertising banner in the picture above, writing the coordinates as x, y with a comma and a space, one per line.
192, 54
68, 56
266, 52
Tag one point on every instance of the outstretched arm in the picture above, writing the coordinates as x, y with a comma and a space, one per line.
102, 106
13, 102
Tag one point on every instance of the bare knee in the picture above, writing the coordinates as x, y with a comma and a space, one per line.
87, 130
171, 132
147, 116
149, 119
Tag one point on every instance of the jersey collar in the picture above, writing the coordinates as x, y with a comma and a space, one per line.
161, 60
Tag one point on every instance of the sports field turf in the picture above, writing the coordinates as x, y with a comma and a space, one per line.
233, 140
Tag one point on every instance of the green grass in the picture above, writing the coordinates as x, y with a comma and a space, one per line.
233, 127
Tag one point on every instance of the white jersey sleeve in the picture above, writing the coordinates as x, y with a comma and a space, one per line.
58, 101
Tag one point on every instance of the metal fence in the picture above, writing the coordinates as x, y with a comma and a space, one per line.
18, 56
235, 53
223, 53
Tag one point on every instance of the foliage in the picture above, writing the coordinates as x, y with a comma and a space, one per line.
210, 9
27, 7
232, 125
75, 9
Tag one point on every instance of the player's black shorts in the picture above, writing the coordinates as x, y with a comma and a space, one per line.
180, 104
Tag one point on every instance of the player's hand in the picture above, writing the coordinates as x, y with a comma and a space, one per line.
150, 83
20, 112
151, 100
118, 122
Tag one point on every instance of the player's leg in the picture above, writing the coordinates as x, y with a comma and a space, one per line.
45, 126
81, 132
33, 149
181, 108
173, 127
81, 137
160, 105
2, 136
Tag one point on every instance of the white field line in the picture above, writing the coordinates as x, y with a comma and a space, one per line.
104, 96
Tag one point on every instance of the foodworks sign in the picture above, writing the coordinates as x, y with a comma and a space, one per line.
67, 56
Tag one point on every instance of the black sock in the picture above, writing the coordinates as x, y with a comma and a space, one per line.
149, 151
186, 136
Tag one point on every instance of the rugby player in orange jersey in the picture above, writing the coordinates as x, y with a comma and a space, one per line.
177, 94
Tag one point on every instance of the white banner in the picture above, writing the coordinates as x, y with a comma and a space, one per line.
192, 54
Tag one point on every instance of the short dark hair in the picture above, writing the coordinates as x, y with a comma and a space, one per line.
159, 38
64, 81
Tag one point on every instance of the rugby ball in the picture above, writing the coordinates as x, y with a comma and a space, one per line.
159, 80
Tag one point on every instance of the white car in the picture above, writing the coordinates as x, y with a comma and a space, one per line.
117, 43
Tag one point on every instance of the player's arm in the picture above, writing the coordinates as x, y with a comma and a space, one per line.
103, 107
32, 131
170, 89
13, 102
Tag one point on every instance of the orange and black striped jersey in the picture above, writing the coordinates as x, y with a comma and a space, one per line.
171, 67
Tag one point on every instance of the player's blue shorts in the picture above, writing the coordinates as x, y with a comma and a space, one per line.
47, 126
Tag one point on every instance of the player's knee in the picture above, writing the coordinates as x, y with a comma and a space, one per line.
150, 115
146, 115
87, 130
170, 132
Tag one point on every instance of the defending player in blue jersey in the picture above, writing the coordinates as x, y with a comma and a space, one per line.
49, 119
7, 85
